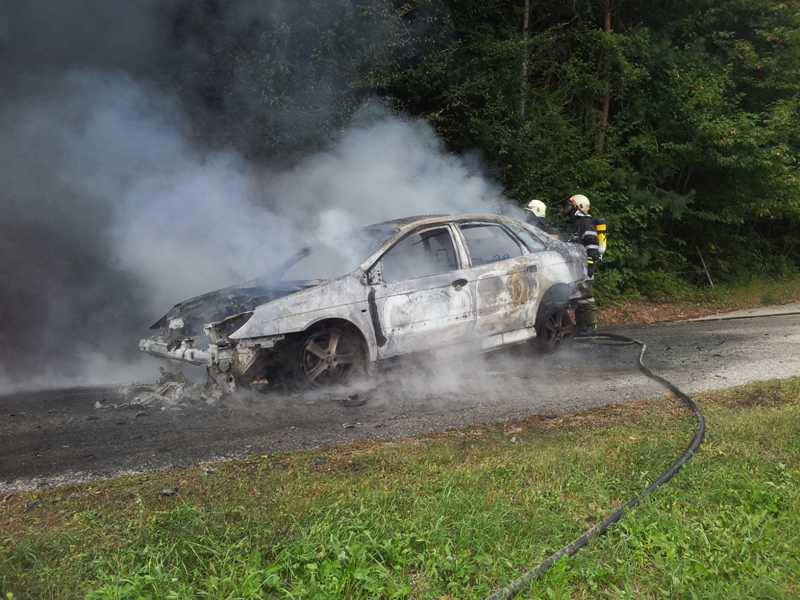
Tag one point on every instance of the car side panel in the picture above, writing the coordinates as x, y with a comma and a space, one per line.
505, 294
344, 298
423, 313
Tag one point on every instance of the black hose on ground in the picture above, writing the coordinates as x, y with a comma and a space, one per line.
572, 548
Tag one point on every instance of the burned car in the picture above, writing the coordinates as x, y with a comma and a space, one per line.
418, 284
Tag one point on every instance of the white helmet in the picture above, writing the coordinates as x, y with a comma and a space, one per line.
537, 207
581, 202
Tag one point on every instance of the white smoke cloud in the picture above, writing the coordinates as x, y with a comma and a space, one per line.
111, 212
105, 160
389, 168
192, 223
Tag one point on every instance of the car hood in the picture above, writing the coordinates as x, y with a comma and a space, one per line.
187, 318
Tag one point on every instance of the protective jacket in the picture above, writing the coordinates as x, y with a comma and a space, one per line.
582, 230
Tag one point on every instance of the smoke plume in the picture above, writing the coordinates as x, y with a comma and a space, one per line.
113, 209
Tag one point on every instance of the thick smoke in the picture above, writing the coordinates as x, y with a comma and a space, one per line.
112, 211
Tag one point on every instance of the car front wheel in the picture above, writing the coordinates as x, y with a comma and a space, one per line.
328, 357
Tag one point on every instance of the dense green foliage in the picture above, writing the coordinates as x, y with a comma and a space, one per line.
678, 119
698, 147
457, 514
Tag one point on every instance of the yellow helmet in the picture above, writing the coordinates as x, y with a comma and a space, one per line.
537, 207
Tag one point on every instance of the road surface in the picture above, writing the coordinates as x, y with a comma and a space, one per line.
50, 437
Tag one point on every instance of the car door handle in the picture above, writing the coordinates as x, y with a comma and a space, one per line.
533, 269
459, 283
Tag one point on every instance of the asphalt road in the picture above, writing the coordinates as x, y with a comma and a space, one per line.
49, 437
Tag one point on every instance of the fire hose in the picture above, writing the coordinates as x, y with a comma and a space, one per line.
600, 528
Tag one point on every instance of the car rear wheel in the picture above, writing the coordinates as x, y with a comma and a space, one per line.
328, 357
554, 328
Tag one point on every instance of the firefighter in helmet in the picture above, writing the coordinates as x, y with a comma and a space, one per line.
583, 230
535, 214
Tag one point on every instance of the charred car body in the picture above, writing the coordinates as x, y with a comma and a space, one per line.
429, 283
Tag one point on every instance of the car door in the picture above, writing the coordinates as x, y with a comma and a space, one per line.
504, 276
419, 295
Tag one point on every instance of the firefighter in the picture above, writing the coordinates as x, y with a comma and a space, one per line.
536, 214
582, 230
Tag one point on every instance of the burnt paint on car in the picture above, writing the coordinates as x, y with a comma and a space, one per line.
478, 306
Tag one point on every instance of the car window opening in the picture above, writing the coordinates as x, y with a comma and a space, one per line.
420, 254
489, 243
530, 241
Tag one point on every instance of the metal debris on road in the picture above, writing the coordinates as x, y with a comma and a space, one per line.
170, 388
351, 400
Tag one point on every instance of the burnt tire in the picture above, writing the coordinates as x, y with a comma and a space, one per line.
329, 357
554, 328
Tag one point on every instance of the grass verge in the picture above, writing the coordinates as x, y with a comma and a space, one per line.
457, 514
679, 301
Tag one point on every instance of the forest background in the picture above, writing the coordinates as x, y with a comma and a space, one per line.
679, 119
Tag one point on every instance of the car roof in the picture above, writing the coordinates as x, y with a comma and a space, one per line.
406, 222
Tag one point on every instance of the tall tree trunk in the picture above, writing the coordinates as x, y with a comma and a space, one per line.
525, 58
605, 109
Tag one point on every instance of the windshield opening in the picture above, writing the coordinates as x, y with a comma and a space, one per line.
333, 258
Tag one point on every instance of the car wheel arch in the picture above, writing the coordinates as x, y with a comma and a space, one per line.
558, 293
338, 323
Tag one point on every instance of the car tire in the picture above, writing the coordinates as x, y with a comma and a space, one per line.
554, 328
328, 357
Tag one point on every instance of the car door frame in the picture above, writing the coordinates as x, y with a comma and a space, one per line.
422, 313
506, 292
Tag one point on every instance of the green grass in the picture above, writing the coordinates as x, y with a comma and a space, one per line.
675, 300
458, 514
659, 286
